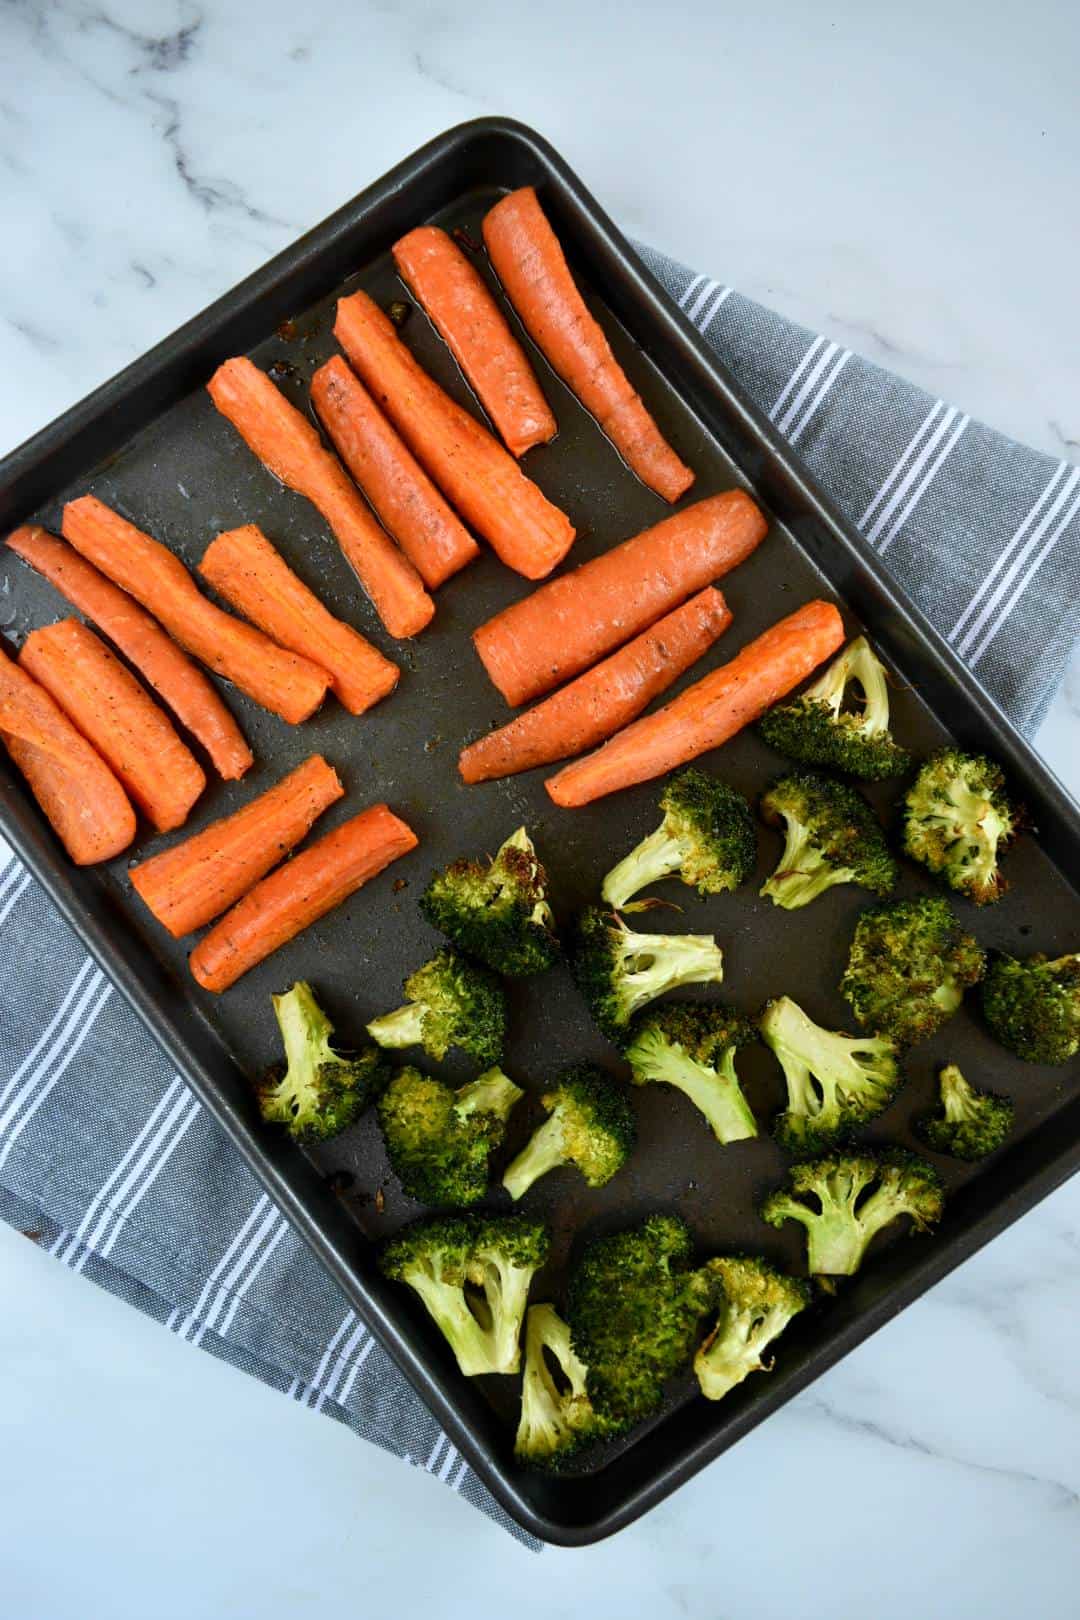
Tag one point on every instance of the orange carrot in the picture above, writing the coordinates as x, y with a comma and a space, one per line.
433, 537
244, 568
536, 277
298, 894
471, 324
558, 631
88, 809
106, 703
604, 699
290, 447
197, 880
280, 681
175, 679
471, 467
708, 713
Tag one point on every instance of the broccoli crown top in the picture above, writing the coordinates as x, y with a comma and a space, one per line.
455, 1249
557, 1418
497, 912
832, 836
452, 1002
836, 1082
619, 971
318, 1092
972, 1123
817, 729
439, 1140
843, 1199
909, 965
1033, 1006
706, 1032
635, 1308
753, 1286
596, 1123
958, 820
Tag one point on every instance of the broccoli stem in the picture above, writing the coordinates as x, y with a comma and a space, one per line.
654, 858
717, 1094
658, 962
803, 872
305, 1028
543, 1151
405, 1027
491, 1093
470, 1342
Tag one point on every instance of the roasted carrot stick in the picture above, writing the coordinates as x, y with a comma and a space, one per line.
433, 537
244, 568
161, 663
566, 626
88, 809
298, 894
604, 699
471, 467
471, 324
281, 681
290, 447
197, 880
536, 277
105, 702
708, 713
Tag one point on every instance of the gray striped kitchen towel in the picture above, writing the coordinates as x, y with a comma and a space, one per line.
111, 1163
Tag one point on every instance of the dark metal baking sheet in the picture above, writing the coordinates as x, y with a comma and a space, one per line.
150, 443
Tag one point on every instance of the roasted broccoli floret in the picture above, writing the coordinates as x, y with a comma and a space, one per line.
317, 1092
590, 1125
831, 836
438, 1140
451, 1002
619, 971
818, 729
756, 1305
835, 1082
972, 1123
1033, 1006
844, 1213
473, 1274
706, 839
909, 965
557, 1416
691, 1045
635, 1306
497, 912
959, 820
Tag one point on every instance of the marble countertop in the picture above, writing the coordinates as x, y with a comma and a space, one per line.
879, 177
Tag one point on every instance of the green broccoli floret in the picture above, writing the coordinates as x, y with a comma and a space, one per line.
557, 1418
973, 1123
451, 1002
438, 1140
498, 912
706, 839
817, 728
635, 1307
317, 1093
831, 836
909, 965
847, 1213
835, 1082
756, 1305
692, 1046
618, 971
590, 1125
959, 820
472, 1273
1033, 1006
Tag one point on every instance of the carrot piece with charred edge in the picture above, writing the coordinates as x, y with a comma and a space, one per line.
433, 537
298, 894
105, 702
461, 308
564, 627
163, 665
281, 681
708, 713
536, 278
604, 699
87, 808
289, 446
470, 466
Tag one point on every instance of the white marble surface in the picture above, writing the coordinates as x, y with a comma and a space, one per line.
905, 182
